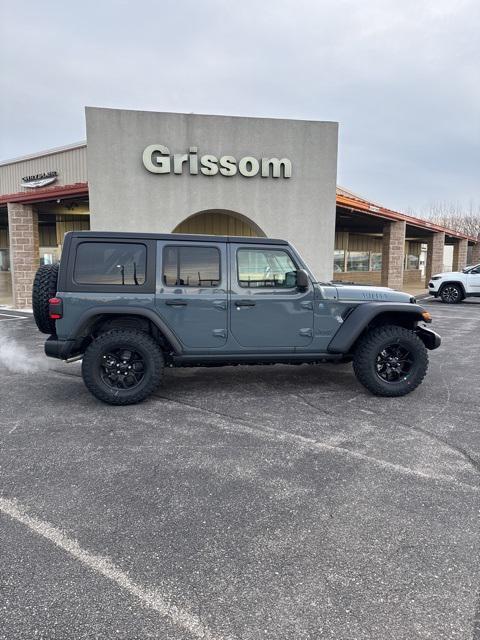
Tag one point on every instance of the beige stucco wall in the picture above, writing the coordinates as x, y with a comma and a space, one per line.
301, 209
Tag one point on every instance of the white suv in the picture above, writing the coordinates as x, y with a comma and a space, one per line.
453, 287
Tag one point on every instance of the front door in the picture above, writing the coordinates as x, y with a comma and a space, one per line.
191, 292
267, 309
473, 280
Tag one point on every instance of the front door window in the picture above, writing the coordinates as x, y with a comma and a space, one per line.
265, 268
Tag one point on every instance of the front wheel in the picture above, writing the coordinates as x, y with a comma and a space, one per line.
122, 366
451, 294
390, 361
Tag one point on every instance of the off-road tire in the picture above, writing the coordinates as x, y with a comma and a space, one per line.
451, 294
44, 288
369, 348
129, 339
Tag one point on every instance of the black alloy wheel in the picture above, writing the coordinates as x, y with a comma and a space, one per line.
122, 369
451, 294
394, 363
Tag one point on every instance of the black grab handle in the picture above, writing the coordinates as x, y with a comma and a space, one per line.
244, 303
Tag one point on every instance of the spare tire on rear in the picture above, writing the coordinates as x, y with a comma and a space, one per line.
44, 288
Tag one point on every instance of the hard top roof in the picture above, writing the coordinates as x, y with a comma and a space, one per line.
192, 237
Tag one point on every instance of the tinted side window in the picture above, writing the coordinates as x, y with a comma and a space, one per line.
110, 263
265, 268
191, 267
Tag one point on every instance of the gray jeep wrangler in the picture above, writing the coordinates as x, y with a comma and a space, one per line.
131, 304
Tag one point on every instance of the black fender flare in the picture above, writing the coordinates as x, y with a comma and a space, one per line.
88, 315
362, 315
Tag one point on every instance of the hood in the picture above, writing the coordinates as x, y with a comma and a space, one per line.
448, 274
361, 293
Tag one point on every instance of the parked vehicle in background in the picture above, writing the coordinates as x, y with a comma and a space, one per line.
454, 286
130, 305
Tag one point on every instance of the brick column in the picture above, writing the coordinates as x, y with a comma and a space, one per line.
436, 248
476, 253
393, 254
460, 249
24, 251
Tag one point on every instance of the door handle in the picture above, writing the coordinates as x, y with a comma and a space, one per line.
176, 303
244, 303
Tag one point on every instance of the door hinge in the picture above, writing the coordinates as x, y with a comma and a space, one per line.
306, 304
219, 333
307, 333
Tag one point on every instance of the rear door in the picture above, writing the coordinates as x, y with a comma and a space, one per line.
191, 293
267, 310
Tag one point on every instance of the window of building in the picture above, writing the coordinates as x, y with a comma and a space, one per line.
375, 261
265, 268
4, 260
339, 260
358, 261
412, 261
191, 266
110, 263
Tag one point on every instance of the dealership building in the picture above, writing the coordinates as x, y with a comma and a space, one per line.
220, 175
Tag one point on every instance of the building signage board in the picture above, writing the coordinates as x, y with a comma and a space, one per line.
158, 172
157, 159
39, 180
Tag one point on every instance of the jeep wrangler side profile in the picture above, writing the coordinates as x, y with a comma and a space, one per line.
454, 286
130, 305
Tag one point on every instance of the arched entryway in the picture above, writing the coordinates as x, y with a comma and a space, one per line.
219, 223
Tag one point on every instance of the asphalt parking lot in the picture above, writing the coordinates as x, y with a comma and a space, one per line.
243, 502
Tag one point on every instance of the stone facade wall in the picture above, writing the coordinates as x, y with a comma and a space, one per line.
412, 277
24, 252
393, 254
359, 277
476, 253
460, 249
436, 248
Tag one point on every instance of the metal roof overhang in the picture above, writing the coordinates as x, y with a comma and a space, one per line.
47, 194
368, 218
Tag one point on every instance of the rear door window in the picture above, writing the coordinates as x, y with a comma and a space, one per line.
191, 266
111, 264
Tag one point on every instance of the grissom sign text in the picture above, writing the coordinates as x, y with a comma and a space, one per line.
157, 159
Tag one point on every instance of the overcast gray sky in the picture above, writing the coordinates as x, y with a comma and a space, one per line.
401, 77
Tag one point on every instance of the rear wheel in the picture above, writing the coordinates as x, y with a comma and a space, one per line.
122, 366
390, 361
44, 288
451, 294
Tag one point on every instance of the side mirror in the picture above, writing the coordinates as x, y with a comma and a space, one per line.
302, 280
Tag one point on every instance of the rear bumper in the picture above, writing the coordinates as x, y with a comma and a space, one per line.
429, 338
60, 349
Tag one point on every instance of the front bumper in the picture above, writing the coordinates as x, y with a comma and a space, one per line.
60, 349
433, 288
429, 338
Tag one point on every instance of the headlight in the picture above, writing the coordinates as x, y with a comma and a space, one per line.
436, 278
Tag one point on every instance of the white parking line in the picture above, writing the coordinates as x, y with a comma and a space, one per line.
4, 318
150, 597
